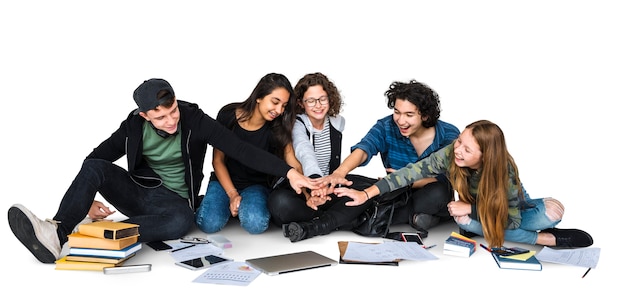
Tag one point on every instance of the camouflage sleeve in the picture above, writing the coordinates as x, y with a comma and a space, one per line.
515, 202
431, 166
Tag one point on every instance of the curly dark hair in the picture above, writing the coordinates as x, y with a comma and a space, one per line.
422, 96
313, 79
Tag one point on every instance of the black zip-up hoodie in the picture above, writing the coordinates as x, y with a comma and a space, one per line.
198, 130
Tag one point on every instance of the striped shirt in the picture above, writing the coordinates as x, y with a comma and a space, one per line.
321, 144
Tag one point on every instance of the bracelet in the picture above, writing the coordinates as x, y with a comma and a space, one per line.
368, 196
228, 192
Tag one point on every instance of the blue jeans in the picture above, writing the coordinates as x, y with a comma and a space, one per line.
214, 211
533, 219
160, 213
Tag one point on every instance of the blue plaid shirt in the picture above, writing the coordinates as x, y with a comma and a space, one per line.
396, 151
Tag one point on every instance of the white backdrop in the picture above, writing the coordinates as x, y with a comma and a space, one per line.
550, 73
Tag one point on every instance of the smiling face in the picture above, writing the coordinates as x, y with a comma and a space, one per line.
407, 117
467, 153
272, 105
317, 112
162, 118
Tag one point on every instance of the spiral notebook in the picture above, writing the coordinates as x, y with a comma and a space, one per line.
292, 262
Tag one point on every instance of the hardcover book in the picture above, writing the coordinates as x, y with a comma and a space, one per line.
84, 241
511, 262
106, 252
64, 264
112, 230
98, 259
459, 245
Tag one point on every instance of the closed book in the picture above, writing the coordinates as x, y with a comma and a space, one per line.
531, 263
455, 246
98, 259
113, 230
105, 252
64, 264
85, 241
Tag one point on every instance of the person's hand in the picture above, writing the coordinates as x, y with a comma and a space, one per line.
314, 202
299, 181
358, 196
99, 211
235, 200
334, 180
459, 208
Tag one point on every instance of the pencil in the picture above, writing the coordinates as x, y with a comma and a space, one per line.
177, 249
585, 274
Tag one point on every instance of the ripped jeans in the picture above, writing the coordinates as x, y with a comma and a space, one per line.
533, 219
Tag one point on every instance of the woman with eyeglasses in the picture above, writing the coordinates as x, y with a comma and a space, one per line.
317, 135
265, 119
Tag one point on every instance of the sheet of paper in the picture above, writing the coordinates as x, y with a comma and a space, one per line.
386, 251
584, 257
197, 251
230, 273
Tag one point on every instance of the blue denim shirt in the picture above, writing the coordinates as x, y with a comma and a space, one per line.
396, 151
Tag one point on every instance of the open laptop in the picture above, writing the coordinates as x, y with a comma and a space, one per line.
286, 263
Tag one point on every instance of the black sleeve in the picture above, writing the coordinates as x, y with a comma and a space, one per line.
226, 141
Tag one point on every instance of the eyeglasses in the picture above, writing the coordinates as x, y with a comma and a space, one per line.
194, 240
311, 102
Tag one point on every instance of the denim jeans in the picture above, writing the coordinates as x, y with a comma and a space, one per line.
533, 220
214, 211
160, 213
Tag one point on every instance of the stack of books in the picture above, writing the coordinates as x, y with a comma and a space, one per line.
459, 245
100, 244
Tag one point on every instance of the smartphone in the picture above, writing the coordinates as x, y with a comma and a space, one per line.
203, 262
412, 237
159, 245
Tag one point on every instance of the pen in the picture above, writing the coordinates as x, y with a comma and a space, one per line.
429, 247
585, 274
486, 248
177, 249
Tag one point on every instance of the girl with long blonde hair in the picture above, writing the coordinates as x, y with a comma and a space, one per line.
492, 200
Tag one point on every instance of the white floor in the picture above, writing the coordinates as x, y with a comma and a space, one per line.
470, 280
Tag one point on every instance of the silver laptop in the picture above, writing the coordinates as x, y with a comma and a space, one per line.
287, 263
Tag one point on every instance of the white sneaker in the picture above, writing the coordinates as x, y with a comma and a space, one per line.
85, 220
39, 236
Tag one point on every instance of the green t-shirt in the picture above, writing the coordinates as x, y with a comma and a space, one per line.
165, 158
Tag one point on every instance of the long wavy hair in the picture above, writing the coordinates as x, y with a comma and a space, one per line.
282, 125
491, 198
334, 97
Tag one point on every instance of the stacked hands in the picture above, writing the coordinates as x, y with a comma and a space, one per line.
321, 188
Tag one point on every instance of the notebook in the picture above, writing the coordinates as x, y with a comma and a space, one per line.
287, 263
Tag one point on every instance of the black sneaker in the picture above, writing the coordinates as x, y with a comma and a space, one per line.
570, 238
421, 221
39, 236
